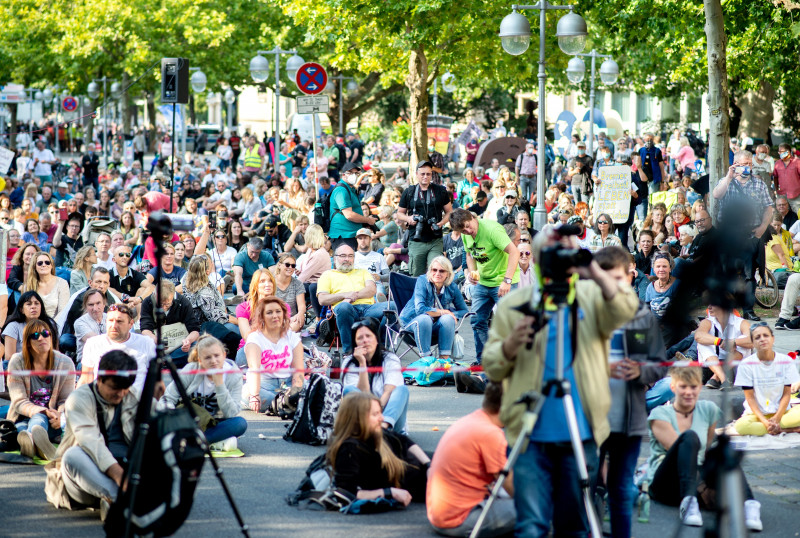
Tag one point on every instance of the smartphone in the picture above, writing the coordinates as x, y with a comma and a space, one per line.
212, 220
62, 213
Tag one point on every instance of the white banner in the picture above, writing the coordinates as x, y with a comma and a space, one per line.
6, 156
613, 194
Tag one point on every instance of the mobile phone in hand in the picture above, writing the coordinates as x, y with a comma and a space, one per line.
62, 214
212, 220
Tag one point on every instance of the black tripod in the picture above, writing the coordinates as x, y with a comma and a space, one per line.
558, 387
160, 228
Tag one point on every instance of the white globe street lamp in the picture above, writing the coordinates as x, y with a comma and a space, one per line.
199, 81
47, 95
571, 32
259, 69
515, 33
116, 90
93, 90
576, 69
449, 82
352, 86
294, 63
38, 95
609, 71
230, 96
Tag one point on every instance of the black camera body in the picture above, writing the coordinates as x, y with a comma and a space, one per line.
557, 260
421, 222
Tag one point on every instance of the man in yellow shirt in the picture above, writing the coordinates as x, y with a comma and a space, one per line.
351, 293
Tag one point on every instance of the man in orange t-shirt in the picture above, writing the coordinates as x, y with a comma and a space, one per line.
466, 463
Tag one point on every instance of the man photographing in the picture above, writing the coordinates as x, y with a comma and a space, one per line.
546, 477
425, 208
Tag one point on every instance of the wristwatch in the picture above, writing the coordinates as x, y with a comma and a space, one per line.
125, 297
507, 280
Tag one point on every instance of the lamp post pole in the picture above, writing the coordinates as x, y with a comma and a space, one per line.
277, 51
609, 71
594, 55
515, 34
94, 93
341, 78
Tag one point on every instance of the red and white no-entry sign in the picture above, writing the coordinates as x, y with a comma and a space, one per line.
311, 78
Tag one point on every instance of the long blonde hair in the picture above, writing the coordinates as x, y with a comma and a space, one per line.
197, 274
32, 279
80, 259
352, 422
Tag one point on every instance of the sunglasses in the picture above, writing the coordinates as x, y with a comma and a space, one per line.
438, 271
602, 222
526, 254
758, 324
524, 240
124, 254
42, 263
220, 237
289, 265
38, 334
121, 308
564, 212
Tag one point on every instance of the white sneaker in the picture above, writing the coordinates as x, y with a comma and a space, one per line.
752, 515
225, 445
690, 512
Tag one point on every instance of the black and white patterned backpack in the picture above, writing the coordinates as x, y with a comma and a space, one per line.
316, 411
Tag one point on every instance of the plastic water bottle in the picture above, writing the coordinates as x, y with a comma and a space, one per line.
644, 503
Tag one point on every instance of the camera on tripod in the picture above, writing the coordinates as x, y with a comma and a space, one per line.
558, 259
421, 222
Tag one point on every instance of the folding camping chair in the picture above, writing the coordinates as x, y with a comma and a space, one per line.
401, 291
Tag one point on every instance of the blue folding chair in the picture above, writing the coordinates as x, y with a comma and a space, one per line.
401, 291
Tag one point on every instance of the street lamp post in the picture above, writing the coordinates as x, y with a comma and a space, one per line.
515, 36
94, 92
230, 98
198, 82
350, 86
609, 71
448, 85
259, 71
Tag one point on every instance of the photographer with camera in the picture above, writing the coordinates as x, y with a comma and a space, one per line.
493, 268
547, 487
425, 207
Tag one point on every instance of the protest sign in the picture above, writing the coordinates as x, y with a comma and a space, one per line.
613, 194
6, 156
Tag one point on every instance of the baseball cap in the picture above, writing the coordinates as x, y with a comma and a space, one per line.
351, 166
272, 222
364, 231
581, 144
575, 219
63, 185
424, 163
511, 194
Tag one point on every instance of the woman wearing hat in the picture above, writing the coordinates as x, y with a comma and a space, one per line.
510, 208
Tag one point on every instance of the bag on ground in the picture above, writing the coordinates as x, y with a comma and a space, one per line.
316, 411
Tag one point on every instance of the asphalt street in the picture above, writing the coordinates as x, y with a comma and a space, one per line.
272, 468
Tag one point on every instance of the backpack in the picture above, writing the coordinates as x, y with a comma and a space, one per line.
174, 454
426, 372
322, 210
316, 411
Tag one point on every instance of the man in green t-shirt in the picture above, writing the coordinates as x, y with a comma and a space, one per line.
493, 268
346, 214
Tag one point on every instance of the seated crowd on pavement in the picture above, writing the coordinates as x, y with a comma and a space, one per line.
259, 273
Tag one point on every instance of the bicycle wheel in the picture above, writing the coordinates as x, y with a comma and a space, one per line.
766, 290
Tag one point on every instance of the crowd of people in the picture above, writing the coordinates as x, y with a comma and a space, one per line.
260, 270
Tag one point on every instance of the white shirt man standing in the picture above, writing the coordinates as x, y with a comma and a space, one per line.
42, 160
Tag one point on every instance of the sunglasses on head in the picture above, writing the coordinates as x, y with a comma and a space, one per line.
42, 263
121, 308
758, 324
39, 334
524, 240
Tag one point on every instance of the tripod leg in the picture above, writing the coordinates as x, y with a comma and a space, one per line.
580, 459
528, 423
187, 402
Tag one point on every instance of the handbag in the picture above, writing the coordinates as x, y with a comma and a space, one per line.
8, 436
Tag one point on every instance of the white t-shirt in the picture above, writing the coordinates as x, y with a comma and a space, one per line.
141, 348
276, 356
392, 374
223, 260
225, 153
767, 380
371, 261
42, 169
225, 196
586, 242
108, 264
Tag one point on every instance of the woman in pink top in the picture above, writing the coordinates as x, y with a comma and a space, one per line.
686, 156
313, 263
265, 288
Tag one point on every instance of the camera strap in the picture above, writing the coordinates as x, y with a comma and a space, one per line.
426, 199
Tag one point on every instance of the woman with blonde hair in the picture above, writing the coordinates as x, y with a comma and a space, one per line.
42, 279
204, 297
370, 461
219, 394
291, 290
252, 205
274, 355
499, 194
85, 258
435, 309
655, 221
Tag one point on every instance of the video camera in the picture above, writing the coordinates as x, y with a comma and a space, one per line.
421, 221
557, 260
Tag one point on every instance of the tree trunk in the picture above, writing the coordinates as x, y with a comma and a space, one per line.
12, 135
756, 106
126, 110
417, 83
151, 116
719, 121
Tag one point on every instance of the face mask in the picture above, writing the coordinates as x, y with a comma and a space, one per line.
530, 151
783, 154
350, 178
606, 155
761, 156
743, 170
581, 152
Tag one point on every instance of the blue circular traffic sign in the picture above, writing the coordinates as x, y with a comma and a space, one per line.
69, 104
311, 78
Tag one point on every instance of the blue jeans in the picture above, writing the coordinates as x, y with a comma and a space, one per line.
267, 391
659, 394
483, 300
229, 427
425, 328
39, 419
547, 488
347, 314
67, 342
623, 451
396, 409
311, 290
